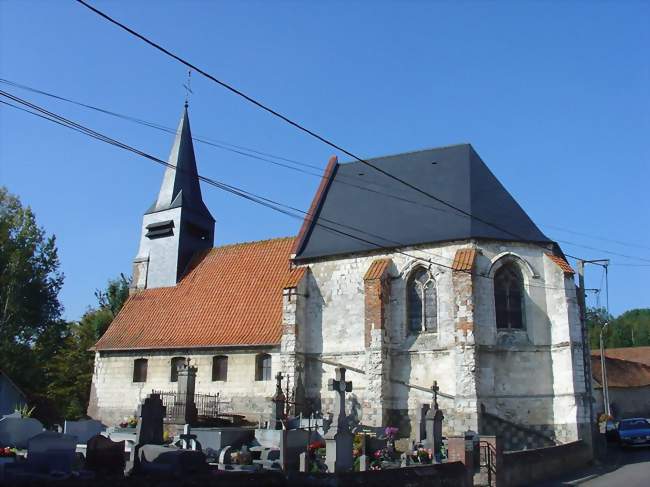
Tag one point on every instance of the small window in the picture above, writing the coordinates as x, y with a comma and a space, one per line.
263, 367
422, 301
509, 297
220, 368
140, 370
176, 363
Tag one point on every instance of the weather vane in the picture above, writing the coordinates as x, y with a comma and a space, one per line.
188, 87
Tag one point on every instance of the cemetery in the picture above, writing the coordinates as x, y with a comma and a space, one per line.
283, 449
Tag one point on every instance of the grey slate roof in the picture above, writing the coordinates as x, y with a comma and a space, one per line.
390, 214
180, 186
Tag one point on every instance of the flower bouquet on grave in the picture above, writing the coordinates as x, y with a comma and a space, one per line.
7, 452
424, 455
390, 433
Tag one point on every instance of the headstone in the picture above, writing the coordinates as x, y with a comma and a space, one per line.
338, 439
278, 400
186, 407
151, 414
104, 455
83, 430
170, 461
421, 433
149, 431
16, 432
50, 452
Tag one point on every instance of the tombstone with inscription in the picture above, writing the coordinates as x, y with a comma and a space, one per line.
338, 439
149, 430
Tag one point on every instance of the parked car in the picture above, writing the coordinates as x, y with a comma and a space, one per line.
634, 432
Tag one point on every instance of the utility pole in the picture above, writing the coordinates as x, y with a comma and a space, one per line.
583, 307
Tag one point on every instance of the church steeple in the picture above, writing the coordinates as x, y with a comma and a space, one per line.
178, 224
180, 184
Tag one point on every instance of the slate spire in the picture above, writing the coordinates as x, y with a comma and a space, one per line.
180, 185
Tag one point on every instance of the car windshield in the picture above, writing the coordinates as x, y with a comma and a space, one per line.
634, 424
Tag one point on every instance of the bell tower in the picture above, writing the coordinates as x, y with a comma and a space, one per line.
178, 224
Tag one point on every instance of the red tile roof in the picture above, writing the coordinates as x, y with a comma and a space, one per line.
620, 373
464, 260
376, 269
561, 263
232, 295
631, 354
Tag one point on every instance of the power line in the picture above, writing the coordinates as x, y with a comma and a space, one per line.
295, 124
238, 149
271, 204
619, 242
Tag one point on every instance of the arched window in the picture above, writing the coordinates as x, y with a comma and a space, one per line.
263, 367
422, 301
175, 364
509, 297
140, 370
220, 368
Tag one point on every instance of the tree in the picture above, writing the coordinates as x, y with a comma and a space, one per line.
30, 282
71, 368
630, 329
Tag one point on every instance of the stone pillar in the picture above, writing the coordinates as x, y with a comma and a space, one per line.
187, 412
294, 297
376, 299
466, 411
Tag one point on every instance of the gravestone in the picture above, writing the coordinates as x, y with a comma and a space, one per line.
421, 432
16, 432
338, 439
104, 455
186, 410
50, 452
278, 400
83, 430
149, 430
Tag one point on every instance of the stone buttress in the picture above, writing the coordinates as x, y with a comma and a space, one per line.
377, 361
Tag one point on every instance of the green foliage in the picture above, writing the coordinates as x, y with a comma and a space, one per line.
46, 356
631, 329
70, 370
30, 324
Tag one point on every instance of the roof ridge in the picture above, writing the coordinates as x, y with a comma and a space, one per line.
417, 151
251, 242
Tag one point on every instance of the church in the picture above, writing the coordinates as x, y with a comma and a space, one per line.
396, 286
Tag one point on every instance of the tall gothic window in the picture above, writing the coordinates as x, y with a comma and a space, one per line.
175, 364
422, 302
220, 368
509, 297
140, 370
263, 367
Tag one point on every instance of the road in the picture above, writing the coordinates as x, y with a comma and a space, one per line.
626, 468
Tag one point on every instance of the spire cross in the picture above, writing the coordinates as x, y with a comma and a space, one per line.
188, 87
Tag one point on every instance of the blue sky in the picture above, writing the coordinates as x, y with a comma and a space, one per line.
554, 96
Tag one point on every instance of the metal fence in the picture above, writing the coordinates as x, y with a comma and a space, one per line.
208, 406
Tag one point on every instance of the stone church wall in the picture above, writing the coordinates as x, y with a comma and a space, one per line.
120, 396
530, 377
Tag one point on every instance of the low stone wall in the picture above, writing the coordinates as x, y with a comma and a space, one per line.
528, 466
444, 475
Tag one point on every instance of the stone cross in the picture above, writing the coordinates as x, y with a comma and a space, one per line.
278, 404
435, 389
341, 386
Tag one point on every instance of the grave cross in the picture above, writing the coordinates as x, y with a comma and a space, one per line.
435, 389
341, 386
